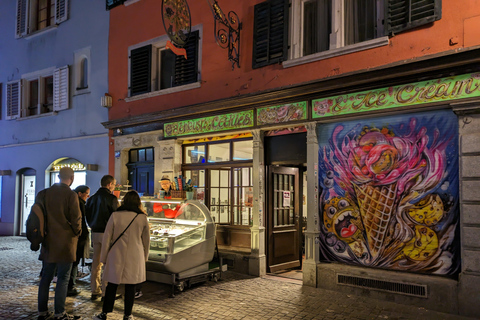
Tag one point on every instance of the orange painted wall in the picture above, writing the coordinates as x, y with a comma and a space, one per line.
141, 21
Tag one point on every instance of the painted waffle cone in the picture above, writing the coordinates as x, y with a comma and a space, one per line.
376, 205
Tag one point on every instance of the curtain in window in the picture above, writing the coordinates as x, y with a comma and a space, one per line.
360, 20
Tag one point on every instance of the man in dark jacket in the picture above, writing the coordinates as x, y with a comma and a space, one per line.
59, 247
98, 209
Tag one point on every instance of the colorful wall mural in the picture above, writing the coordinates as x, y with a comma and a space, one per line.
389, 192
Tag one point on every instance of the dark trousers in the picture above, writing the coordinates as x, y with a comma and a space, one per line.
109, 299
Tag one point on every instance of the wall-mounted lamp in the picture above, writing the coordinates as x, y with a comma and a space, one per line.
106, 101
92, 167
5, 172
227, 32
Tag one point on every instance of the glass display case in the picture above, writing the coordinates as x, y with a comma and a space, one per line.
182, 236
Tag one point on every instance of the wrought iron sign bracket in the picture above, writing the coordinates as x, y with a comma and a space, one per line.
227, 32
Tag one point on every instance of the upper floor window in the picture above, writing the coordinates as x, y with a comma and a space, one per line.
299, 28
36, 15
154, 68
81, 70
320, 25
38, 93
84, 74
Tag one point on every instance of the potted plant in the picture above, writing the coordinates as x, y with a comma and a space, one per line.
117, 190
189, 191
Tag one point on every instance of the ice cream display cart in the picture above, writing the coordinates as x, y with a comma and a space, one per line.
182, 243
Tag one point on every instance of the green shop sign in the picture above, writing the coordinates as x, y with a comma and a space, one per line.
283, 113
445, 89
222, 122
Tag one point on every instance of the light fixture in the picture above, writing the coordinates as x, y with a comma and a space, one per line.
227, 32
106, 101
92, 167
5, 172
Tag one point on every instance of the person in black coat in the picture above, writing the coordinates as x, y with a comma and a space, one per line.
98, 210
83, 194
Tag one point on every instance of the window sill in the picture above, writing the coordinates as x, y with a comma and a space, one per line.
129, 2
379, 42
164, 91
79, 92
39, 32
48, 114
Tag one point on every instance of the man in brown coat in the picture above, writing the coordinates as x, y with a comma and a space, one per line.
64, 224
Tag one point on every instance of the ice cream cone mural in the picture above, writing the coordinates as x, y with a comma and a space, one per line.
399, 173
377, 206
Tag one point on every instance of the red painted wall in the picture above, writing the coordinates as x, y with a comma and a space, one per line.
141, 21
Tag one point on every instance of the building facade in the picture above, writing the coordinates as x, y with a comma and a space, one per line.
53, 75
338, 138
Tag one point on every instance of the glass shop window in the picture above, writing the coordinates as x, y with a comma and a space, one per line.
224, 181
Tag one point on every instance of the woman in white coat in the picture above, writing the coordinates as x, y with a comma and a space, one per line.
127, 240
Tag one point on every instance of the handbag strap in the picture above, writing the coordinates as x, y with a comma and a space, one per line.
123, 231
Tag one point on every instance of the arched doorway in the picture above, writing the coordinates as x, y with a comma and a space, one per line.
80, 171
27, 179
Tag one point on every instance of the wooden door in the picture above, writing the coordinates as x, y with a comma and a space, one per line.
142, 179
283, 218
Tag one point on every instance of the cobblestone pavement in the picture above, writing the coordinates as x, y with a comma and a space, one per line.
236, 296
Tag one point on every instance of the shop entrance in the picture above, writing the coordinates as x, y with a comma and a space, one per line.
283, 224
27, 192
284, 201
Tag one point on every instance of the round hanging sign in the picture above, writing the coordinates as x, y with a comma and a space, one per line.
177, 21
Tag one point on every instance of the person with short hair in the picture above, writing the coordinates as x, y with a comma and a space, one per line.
126, 243
98, 210
59, 246
83, 193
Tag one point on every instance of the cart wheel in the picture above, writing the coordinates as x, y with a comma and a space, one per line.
188, 284
181, 286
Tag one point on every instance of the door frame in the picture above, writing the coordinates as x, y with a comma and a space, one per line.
22, 214
276, 262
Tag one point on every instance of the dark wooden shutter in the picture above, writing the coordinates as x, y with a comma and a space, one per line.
270, 33
407, 14
186, 70
140, 70
113, 3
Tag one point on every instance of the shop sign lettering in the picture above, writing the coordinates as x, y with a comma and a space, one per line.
282, 113
445, 89
74, 166
222, 122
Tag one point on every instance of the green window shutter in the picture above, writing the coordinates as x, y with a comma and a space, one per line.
113, 3
140, 70
407, 14
186, 70
270, 33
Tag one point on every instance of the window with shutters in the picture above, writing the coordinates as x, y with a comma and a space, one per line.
38, 93
156, 70
320, 29
37, 15
323, 25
